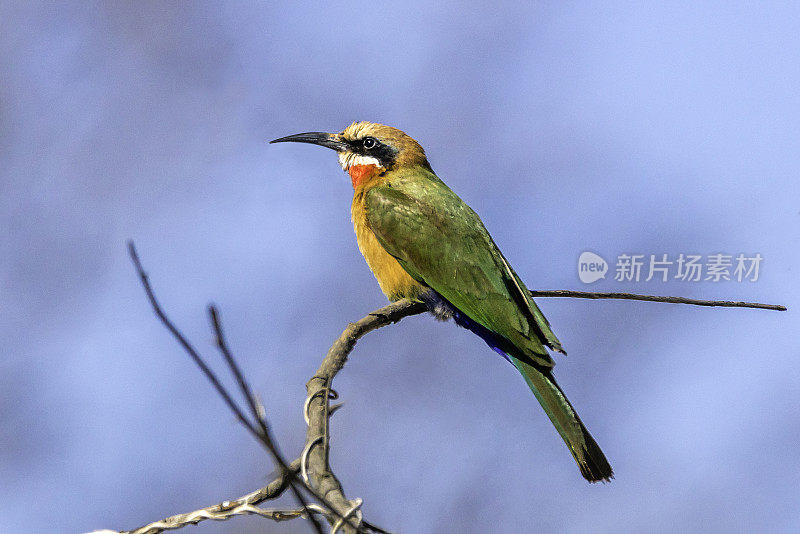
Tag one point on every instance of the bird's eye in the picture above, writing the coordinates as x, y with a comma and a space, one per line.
369, 142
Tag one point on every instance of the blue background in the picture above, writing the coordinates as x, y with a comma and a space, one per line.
623, 128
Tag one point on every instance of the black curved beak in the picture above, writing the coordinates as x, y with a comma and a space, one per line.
329, 140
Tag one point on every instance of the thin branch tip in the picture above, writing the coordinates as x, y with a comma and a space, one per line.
653, 298
259, 430
132, 252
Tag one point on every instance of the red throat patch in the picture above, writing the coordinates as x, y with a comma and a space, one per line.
360, 173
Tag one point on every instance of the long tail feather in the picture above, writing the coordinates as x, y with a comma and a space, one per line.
591, 460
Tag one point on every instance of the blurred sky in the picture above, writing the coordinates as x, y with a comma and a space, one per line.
616, 128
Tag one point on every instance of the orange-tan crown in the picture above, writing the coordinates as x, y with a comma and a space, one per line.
407, 150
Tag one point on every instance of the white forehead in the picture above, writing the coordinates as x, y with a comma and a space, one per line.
358, 130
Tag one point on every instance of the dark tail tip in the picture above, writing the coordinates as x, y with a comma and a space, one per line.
593, 463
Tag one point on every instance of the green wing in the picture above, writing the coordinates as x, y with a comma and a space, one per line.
442, 243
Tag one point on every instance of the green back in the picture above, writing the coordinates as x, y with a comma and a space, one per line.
442, 243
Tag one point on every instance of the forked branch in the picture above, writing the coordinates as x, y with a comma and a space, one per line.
257, 425
315, 474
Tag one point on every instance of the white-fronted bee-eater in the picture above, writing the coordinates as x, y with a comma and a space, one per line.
423, 242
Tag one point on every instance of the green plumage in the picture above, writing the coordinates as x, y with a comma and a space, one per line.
402, 211
442, 243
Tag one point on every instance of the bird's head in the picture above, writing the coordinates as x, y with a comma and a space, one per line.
367, 149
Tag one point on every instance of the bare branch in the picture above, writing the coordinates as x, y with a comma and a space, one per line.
315, 461
257, 413
313, 464
190, 350
653, 298
245, 505
261, 433
315, 458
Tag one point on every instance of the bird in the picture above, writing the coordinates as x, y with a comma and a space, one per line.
422, 242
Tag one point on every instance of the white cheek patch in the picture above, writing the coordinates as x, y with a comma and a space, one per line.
349, 159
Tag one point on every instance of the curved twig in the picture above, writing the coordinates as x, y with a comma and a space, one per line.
318, 469
245, 505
